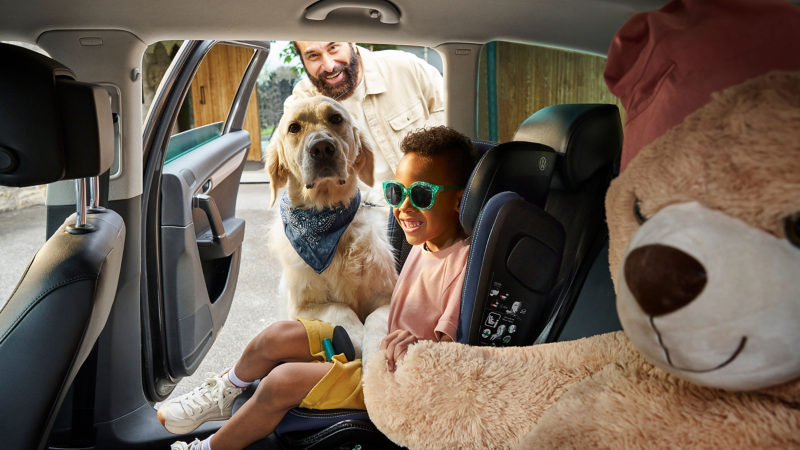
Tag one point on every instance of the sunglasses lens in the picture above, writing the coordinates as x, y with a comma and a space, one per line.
422, 196
394, 194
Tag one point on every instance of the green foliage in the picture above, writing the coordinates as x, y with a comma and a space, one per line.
287, 55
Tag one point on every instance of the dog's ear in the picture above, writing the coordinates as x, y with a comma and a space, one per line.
365, 161
275, 168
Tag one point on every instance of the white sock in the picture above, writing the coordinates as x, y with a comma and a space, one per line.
206, 444
236, 382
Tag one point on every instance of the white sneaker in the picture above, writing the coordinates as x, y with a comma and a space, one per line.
213, 400
194, 445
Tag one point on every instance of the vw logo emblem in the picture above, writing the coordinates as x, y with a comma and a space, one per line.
542, 163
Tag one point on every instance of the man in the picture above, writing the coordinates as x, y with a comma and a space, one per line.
388, 93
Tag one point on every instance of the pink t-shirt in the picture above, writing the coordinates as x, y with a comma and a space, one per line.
427, 298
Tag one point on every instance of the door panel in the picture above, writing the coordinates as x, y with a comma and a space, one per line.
191, 237
200, 263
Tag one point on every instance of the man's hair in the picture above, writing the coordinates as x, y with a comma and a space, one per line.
297, 51
445, 141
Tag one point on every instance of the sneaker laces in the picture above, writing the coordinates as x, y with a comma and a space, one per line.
210, 392
194, 445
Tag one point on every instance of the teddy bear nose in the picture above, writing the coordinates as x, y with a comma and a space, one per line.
663, 279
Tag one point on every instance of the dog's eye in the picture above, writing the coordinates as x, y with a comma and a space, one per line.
791, 226
336, 119
637, 212
294, 127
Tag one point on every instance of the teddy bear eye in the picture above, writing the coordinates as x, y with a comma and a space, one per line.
336, 119
294, 127
637, 212
792, 228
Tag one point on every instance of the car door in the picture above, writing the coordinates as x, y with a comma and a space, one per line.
191, 237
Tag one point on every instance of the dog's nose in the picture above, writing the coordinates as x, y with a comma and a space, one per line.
663, 279
322, 149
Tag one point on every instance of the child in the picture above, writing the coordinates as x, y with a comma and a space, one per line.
426, 196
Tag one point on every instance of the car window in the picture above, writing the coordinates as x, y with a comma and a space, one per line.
284, 69
516, 80
207, 104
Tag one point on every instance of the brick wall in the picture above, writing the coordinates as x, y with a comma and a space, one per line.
18, 198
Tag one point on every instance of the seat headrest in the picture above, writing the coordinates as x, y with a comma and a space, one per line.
51, 126
522, 167
586, 137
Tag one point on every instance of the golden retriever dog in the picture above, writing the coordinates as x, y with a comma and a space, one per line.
319, 154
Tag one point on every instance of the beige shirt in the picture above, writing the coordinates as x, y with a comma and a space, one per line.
427, 297
403, 93
353, 105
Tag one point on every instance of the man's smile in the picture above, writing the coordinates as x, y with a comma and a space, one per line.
334, 78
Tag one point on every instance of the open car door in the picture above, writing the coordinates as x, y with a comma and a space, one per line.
192, 240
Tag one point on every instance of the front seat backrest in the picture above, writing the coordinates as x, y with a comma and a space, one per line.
533, 256
52, 128
588, 141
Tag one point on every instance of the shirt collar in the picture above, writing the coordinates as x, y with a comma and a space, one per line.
372, 76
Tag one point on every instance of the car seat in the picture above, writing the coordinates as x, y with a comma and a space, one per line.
53, 128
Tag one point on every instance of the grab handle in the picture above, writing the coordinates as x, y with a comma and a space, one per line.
381, 9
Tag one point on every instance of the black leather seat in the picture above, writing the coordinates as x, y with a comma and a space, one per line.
53, 128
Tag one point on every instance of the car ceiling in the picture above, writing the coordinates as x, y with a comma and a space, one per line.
584, 25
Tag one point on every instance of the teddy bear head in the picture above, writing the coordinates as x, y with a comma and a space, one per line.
704, 221
705, 232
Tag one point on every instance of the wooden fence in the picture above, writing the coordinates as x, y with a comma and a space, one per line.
528, 78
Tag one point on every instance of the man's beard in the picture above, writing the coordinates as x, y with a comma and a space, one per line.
344, 88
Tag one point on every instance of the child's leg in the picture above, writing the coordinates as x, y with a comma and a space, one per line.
213, 400
285, 341
283, 389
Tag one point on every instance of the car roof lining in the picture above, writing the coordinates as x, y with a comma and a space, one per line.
583, 25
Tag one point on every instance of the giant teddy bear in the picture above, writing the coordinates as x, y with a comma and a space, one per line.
704, 249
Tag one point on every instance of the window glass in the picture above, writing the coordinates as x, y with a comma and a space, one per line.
284, 69
207, 104
516, 80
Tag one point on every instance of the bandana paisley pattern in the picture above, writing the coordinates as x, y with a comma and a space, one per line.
315, 234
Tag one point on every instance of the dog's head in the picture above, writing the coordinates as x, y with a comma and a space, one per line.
319, 153
704, 246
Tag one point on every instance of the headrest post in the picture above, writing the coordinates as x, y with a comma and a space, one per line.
94, 196
80, 227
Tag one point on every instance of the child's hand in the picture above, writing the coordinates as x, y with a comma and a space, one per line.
395, 345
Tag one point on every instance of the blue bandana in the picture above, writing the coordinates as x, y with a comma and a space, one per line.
315, 234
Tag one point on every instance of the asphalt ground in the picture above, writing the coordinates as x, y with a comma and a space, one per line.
256, 303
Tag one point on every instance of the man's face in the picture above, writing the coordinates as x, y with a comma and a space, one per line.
331, 66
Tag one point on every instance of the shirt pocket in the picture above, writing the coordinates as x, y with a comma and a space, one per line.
412, 113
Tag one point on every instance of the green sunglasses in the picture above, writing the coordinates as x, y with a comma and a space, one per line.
422, 194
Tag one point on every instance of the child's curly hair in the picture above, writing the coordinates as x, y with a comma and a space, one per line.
443, 140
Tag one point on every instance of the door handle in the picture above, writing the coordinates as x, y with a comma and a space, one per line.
386, 11
209, 206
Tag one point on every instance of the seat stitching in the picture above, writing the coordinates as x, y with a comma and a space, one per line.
325, 415
36, 302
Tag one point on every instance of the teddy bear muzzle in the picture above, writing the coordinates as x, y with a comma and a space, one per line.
663, 279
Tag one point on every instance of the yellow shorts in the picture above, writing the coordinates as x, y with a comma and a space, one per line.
341, 386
